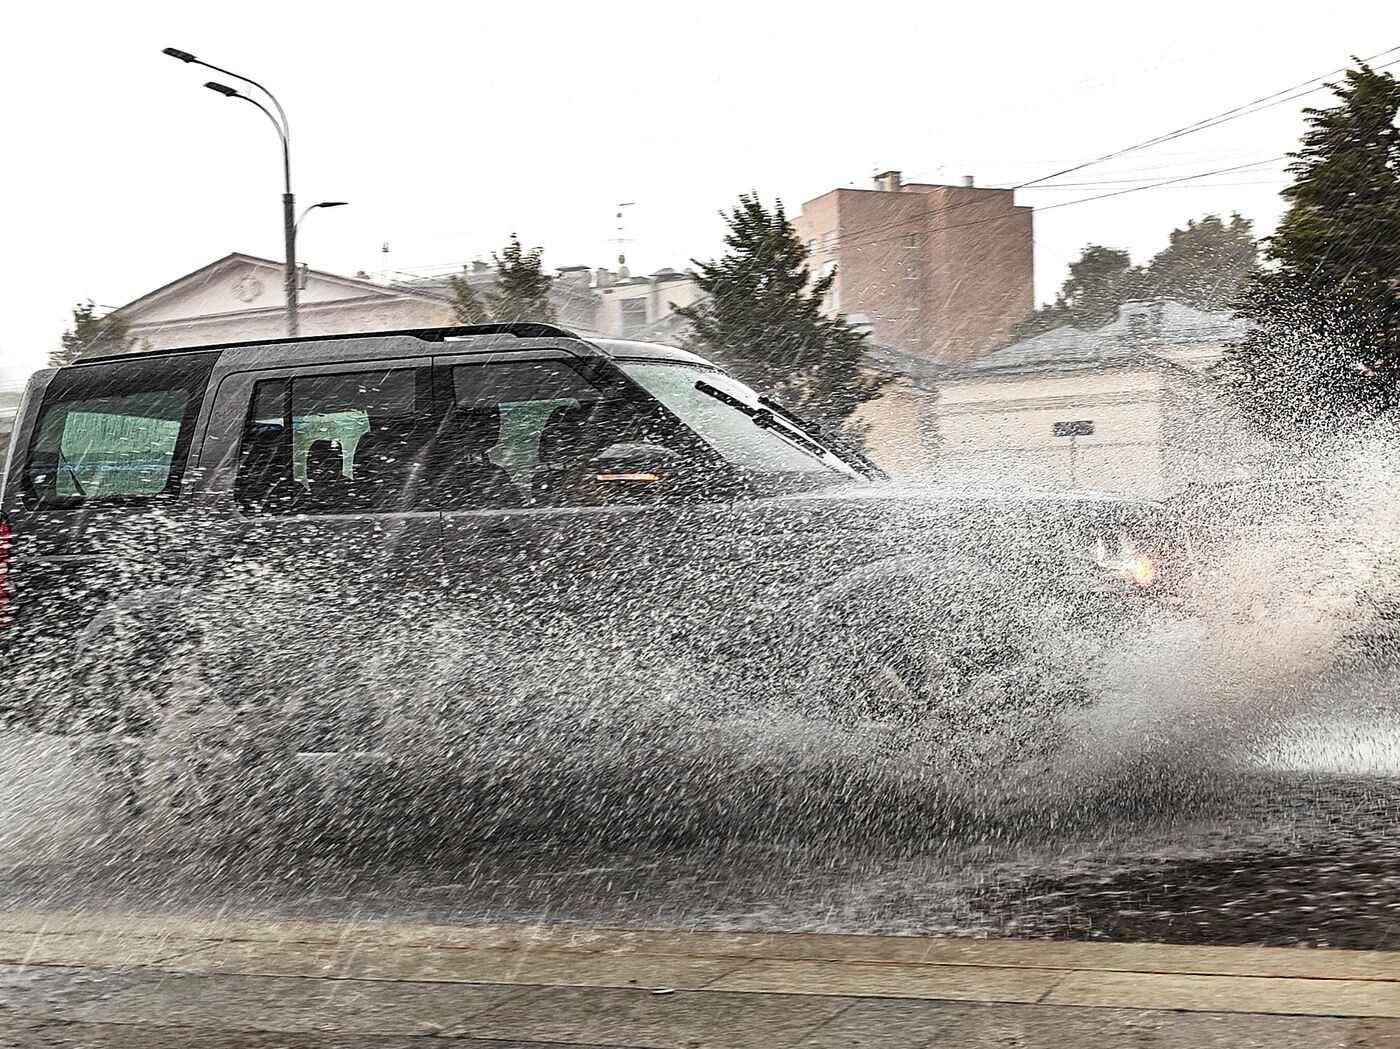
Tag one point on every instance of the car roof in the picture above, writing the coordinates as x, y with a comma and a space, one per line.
622, 349
400, 343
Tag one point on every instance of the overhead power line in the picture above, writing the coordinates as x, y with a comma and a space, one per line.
1081, 200
1248, 109
1275, 98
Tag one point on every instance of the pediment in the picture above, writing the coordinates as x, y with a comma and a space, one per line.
241, 283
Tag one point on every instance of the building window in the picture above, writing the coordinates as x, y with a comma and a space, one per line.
911, 240
829, 240
829, 299
913, 271
634, 314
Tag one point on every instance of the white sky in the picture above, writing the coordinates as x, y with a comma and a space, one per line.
449, 125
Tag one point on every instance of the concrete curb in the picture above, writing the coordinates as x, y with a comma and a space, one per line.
1278, 981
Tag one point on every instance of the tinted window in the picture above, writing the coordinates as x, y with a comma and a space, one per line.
542, 432
114, 433
337, 442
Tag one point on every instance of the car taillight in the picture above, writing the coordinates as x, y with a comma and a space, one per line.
4, 572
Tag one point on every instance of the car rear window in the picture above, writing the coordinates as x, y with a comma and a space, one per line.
114, 433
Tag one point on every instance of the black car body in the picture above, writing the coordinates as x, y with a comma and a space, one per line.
389, 542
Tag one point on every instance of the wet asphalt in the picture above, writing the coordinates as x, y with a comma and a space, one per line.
1297, 844
1291, 857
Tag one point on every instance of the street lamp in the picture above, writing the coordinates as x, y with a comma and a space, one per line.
323, 204
289, 225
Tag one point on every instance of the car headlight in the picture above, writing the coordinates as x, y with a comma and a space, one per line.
1135, 567
1139, 570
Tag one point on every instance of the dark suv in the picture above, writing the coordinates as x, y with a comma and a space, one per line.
392, 543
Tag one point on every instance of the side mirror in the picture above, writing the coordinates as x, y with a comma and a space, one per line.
636, 464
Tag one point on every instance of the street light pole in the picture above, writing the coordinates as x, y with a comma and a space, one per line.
289, 225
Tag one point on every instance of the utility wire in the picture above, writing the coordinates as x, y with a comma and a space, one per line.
1082, 200
1248, 109
1235, 113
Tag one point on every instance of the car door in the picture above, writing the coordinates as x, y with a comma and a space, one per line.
620, 565
322, 552
554, 561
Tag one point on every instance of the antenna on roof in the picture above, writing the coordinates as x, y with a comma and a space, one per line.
384, 251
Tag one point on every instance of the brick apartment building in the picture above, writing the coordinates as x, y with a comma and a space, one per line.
938, 271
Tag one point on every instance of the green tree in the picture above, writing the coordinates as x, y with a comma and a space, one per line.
91, 336
1324, 349
467, 306
1099, 281
522, 286
1205, 265
762, 317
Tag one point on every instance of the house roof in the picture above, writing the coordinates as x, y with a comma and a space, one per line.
353, 287
1138, 331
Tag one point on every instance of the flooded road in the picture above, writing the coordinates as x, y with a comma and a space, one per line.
1300, 846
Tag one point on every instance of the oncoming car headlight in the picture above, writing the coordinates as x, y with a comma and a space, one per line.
1140, 570
1134, 566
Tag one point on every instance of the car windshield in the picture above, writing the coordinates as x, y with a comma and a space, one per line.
734, 421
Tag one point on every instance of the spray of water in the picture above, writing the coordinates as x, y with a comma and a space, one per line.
745, 686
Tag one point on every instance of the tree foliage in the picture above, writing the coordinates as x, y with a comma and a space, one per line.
1205, 265
1324, 349
91, 336
762, 318
521, 292
467, 307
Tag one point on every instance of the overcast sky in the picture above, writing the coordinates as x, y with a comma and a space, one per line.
450, 125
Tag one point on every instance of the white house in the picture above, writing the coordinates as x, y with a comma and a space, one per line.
239, 298
1127, 407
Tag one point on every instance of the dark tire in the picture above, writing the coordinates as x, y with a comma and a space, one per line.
933, 665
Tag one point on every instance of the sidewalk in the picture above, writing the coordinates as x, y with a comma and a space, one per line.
154, 981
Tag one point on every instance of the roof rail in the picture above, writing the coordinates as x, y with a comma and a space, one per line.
518, 329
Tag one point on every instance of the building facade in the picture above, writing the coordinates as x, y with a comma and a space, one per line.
1127, 408
943, 272
239, 298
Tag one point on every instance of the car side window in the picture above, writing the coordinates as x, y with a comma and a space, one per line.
337, 442
114, 433
538, 432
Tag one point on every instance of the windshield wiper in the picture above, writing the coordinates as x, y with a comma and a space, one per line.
763, 417
832, 437
63, 461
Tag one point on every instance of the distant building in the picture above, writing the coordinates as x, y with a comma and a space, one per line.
942, 272
239, 298
9, 405
639, 308
598, 303
1127, 407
